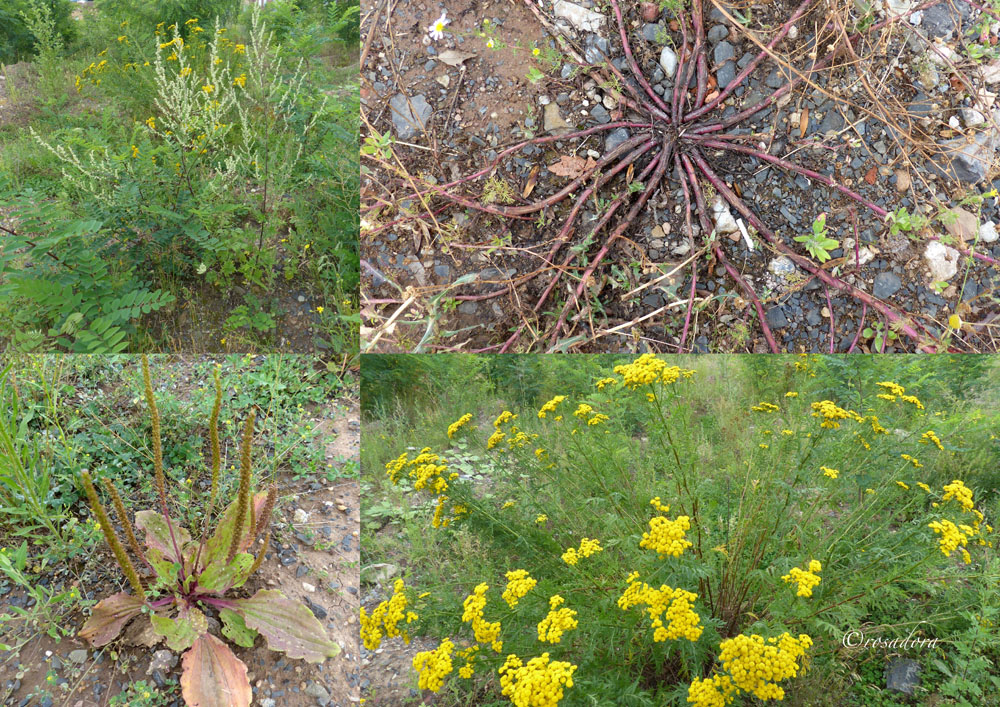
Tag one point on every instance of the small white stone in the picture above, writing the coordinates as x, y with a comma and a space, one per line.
308, 587
793, 32
988, 232
724, 221
942, 261
300, 516
972, 117
953, 123
668, 62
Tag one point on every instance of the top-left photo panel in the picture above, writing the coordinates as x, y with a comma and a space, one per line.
179, 176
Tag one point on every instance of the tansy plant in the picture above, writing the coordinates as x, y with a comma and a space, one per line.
643, 545
190, 575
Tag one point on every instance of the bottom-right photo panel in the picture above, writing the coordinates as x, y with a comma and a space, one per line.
706, 530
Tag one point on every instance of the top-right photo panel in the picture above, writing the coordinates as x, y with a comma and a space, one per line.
681, 176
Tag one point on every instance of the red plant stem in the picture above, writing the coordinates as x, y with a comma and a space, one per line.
792, 167
612, 208
829, 308
643, 103
563, 236
803, 262
694, 263
661, 161
721, 256
699, 53
631, 60
683, 72
861, 326
726, 91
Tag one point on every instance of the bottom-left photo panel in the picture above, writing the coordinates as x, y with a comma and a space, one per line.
178, 530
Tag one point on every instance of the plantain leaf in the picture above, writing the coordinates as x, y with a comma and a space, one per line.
213, 676
289, 626
109, 618
219, 576
166, 570
235, 628
158, 533
217, 546
181, 632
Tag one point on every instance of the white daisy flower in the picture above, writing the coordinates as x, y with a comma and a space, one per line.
436, 30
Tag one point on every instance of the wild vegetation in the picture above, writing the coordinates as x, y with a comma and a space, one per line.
179, 175
698, 530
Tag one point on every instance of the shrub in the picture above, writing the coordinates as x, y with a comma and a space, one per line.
17, 40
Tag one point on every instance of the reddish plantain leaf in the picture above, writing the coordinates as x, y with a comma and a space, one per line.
289, 626
213, 676
158, 533
109, 618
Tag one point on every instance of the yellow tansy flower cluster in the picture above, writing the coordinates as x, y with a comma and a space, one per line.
830, 413
385, 619
951, 536
583, 410
960, 492
929, 437
647, 369
806, 579
827, 471
587, 548
550, 406
504, 417
469, 654
519, 583
434, 666
557, 621
540, 683
756, 665
765, 407
893, 388
666, 536
791, 394
716, 691
486, 632
458, 424
907, 457
495, 439
664, 604
604, 382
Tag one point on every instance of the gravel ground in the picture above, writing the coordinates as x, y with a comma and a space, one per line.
451, 120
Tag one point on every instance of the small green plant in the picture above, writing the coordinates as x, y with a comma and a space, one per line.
379, 145
14, 566
497, 191
902, 221
194, 576
142, 694
818, 243
881, 337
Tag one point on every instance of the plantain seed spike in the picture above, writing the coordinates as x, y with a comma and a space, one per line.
243, 500
260, 557
123, 519
157, 444
264, 522
109, 534
213, 433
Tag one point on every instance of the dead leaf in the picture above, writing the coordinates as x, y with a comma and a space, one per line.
444, 80
803, 122
454, 58
532, 181
572, 166
871, 175
629, 174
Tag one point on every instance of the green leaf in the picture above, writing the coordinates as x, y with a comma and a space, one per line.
220, 576
182, 631
288, 626
217, 546
235, 628
166, 570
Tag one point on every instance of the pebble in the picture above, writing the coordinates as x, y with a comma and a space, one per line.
668, 62
886, 285
988, 232
942, 261
78, 656
409, 116
308, 587
553, 122
961, 223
